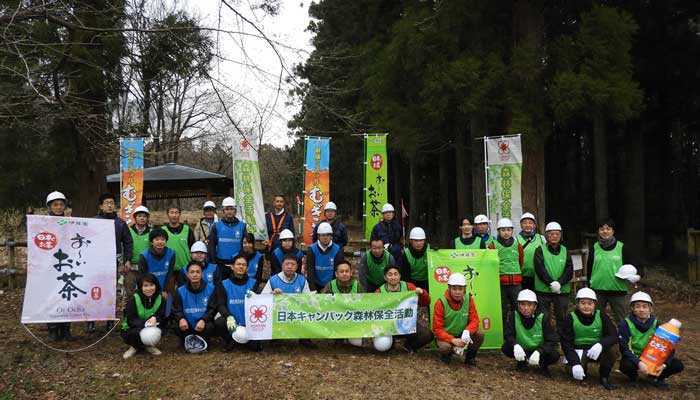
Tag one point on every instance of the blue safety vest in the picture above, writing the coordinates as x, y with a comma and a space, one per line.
157, 267
253, 265
207, 274
324, 263
280, 255
229, 239
195, 304
235, 298
296, 286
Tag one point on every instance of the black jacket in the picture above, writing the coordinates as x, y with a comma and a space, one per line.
177, 311
566, 332
550, 336
541, 270
131, 312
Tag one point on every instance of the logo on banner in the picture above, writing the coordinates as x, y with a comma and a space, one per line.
244, 148
377, 161
504, 150
258, 314
45, 240
442, 274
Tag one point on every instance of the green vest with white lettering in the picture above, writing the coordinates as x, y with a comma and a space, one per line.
404, 288
638, 340
529, 339
141, 243
455, 320
605, 266
336, 290
586, 335
508, 258
529, 254
375, 271
178, 244
476, 244
419, 266
555, 264
143, 312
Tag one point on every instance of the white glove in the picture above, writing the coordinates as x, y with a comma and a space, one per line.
534, 358
231, 323
518, 353
594, 351
466, 337
634, 279
555, 287
577, 372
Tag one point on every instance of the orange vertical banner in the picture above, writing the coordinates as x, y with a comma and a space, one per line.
316, 183
131, 165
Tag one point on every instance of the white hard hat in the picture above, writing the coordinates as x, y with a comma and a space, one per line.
526, 216
142, 209
417, 233
527, 295
240, 335
626, 271
552, 226
286, 234
387, 208
504, 223
150, 336
481, 219
198, 247
209, 204
228, 202
586, 293
330, 206
324, 228
641, 296
357, 342
382, 343
457, 280
195, 344
54, 196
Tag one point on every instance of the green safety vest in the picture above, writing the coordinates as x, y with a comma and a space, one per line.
529, 254
335, 289
508, 258
456, 320
638, 340
143, 313
586, 335
555, 266
491, 239
375, 271
141, 243
529, 339
404, 288
476, 244
178, 244
605, 266
419, 267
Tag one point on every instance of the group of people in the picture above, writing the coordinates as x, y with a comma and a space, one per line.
198, 279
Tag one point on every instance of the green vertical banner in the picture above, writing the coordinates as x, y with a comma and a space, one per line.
480, 267
246, 174
375, 180
504, 165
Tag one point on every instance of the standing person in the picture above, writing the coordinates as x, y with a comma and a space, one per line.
180, 238
588, 335
456, 322
287, 246
389, 230
510, 261
139, 232
190, 305
254, 258
605, 258
159, 260
201, 230
373, 263
226, 237
553, 273
414, 262
634, 333
340, 234
321, 258
529, 337
278, 220
123, 241
144, 310
482, 229
466, 238
56, 203
530, 240
344, 282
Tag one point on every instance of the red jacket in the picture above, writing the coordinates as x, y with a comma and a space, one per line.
423, 299
512, 279
439, 318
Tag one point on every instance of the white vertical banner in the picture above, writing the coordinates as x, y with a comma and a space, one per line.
504, 171
246, 178
71, 270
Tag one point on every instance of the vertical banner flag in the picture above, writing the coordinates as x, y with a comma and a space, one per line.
375, 180
246, 176
504, 160
70, 270
316, 183
480, 267
131, 165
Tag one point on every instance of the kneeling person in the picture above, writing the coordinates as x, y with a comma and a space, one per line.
344, 282
142, 313
190, 305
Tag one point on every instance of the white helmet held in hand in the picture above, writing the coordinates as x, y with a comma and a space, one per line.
198, 247
457, 280
552, 226
586, 293
641, 296
526, 216
150, 336
626, 271
195, 344
387, 208
324, 228
527, 295
382, 343
417, 233
330, 206
481, 219
55, 196
228, 202
240, 335
504, 223
286, 234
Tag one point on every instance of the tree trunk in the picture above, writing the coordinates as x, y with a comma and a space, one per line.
600, 167
478, 181
412, 195
635, 205
444, 224
533, 179
463, 173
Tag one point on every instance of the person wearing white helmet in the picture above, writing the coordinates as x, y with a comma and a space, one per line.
530, 240
287, 246
340, 234
277, 221
588, 335
56, 203
210, 273
389, 230
230, 303
553, 273
226, 237
456, 322
201, 230
467, 239
139, 232
605, 258
414, 260
321, 258
529, 337
481, 229
510, 261
190, 305
180, 239
146, 308
634, 333
372, 264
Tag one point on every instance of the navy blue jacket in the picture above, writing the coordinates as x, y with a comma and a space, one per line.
340, 235
389, 233
286, 223
623, 333
124, 243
